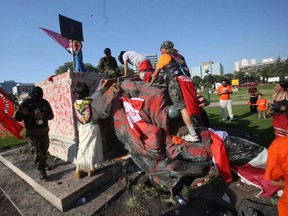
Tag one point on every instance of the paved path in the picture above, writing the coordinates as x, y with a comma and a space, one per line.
213, 104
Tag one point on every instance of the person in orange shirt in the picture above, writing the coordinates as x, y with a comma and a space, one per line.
224, 92
180, 87
262, 106
277, 170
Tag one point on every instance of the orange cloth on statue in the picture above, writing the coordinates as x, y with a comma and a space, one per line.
277, 168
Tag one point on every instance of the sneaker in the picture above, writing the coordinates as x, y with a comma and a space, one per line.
191, 138
224, 119
98, 166
231, 119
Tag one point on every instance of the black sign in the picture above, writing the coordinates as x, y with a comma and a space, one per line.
70, 28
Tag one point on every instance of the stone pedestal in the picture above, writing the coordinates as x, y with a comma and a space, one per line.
60, 92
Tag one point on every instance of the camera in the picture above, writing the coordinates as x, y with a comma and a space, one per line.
276, 107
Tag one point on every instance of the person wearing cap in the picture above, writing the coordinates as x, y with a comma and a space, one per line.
139, 61
180, 86
108, 64
36, 112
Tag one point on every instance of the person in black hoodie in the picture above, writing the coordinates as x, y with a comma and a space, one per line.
36, 112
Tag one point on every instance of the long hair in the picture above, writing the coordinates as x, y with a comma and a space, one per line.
120, 57
283, 84
82, 90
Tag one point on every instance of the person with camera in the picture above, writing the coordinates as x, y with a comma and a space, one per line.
225, 101
279, 109
36, 111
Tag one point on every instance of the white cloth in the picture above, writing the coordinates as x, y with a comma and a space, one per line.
226, 104
133, 58
90, 149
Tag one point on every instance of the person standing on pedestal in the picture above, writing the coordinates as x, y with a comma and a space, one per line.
90, 149
36, 112
76, 50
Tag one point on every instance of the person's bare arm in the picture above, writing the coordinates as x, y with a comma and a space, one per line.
279, 183
154, 76
125, 68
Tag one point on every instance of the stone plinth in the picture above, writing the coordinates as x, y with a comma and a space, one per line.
60, 92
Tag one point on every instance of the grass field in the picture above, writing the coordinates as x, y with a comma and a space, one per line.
242, 93
261, 131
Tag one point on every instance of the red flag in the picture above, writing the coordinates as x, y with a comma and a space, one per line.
11, 125
220, 157
253, 173
132, 107
189, 95
6, 105
64, 42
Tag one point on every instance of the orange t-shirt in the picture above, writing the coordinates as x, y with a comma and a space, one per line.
163, 60
222, 89
277, 168
262, 104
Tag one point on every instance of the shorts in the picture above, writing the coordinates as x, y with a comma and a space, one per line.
175, 94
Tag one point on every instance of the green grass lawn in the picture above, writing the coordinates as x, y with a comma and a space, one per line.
10, 141
242, 93
260, 130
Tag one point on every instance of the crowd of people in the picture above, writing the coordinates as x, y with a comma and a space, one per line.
36, 112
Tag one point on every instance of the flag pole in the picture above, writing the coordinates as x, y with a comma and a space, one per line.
73, 66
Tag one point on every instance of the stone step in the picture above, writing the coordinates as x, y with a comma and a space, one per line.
61, 188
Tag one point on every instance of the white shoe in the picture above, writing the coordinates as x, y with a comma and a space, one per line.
98, 166
191, 138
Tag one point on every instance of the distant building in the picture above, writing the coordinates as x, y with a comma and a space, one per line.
214, 68
8, 85
244, 63
152, 57
22, 91
267, 60
252, 64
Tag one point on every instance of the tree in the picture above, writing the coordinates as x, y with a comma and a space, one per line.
197, 81
228, 77
68, 65
129, 72
240, 75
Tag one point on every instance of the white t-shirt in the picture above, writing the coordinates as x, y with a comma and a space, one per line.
133, 58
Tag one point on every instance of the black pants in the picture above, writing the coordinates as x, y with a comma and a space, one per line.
40, 143
253, 100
